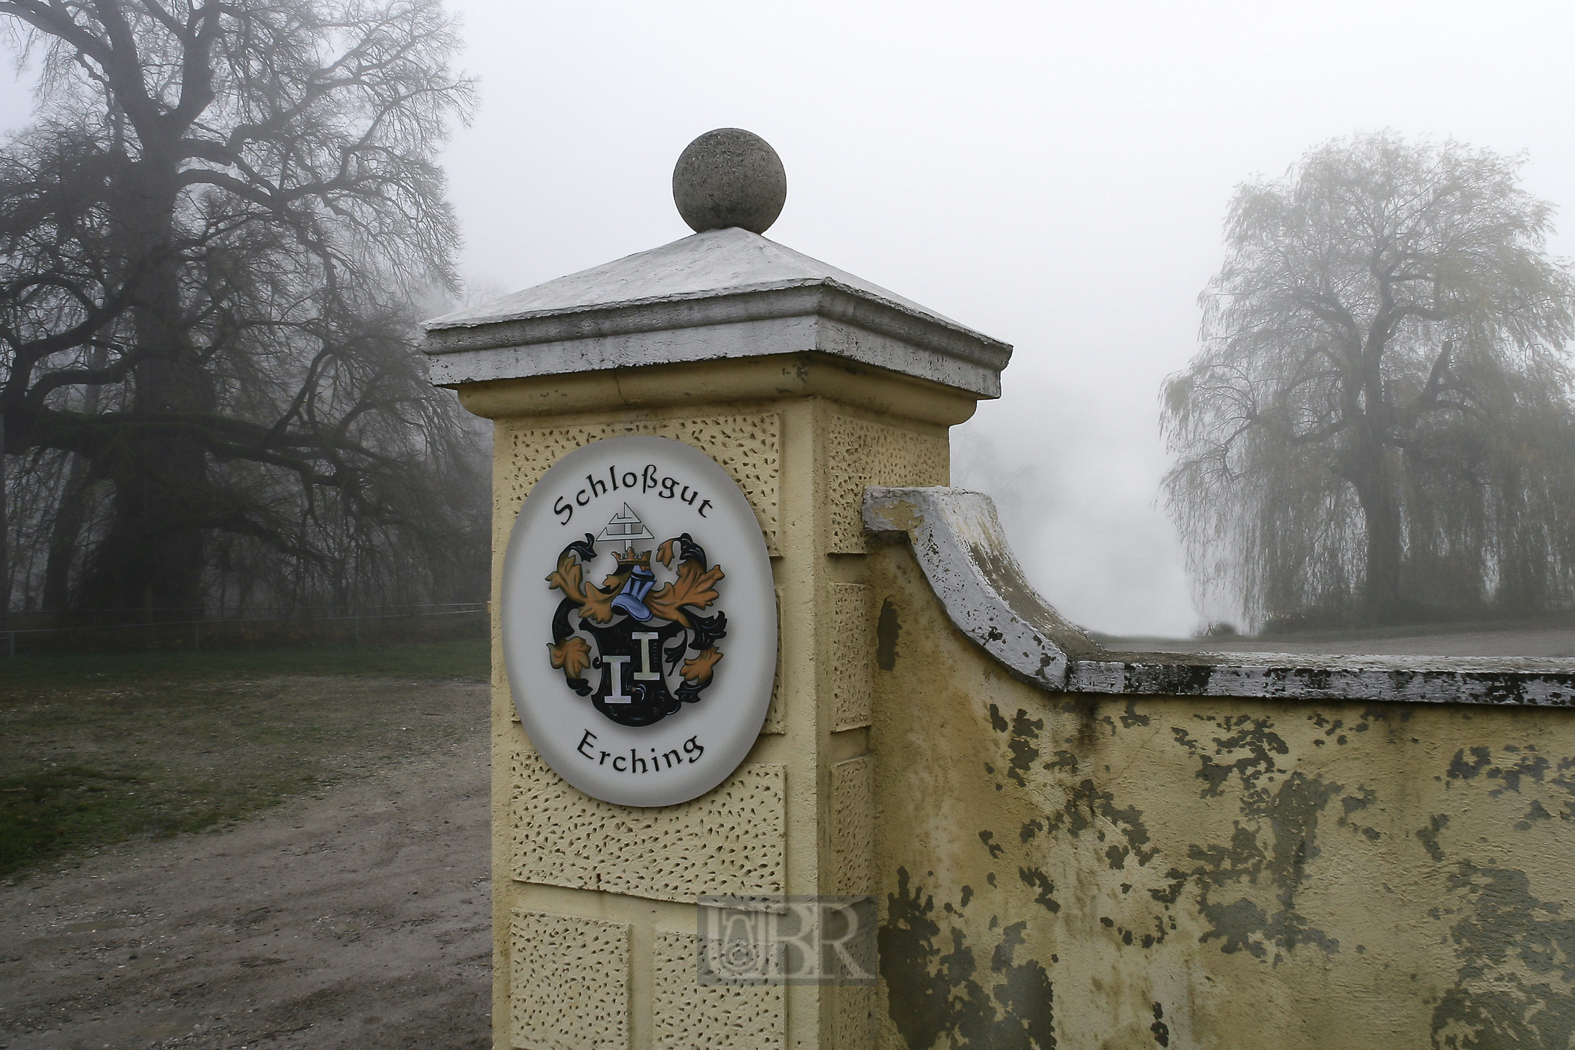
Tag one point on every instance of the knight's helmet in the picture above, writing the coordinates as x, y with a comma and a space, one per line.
626, 527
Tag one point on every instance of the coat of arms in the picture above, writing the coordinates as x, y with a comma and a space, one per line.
637, 644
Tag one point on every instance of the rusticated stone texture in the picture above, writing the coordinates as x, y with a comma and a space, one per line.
853, 825
849, 646
730, 841
853, 1015
861, 453
688, 1015
569, 982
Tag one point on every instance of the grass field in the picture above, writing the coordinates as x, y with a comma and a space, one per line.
97, 748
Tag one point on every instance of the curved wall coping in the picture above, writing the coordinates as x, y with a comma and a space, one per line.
958, 542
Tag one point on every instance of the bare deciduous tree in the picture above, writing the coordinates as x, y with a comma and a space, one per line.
1380, 417
211, 243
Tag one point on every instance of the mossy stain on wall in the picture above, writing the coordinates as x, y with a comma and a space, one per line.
887, 630
1250, 741
1517, 967
938, 990
1159, 1028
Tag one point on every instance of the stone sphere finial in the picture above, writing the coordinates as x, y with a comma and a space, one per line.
729, 177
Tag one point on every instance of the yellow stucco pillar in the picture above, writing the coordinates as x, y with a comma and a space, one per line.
806, 385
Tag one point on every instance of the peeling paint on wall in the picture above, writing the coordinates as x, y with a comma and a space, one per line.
939, 990
1220, 873
887, 630
1517, 957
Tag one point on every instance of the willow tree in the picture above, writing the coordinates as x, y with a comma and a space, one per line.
211, 238
1379, 419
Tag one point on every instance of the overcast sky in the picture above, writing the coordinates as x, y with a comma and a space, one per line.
1052, 174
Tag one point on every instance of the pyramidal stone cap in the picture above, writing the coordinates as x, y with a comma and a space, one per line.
724, 293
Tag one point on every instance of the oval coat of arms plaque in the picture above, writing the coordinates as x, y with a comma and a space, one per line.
639, 621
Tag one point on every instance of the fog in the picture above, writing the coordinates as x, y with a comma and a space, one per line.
1053, 175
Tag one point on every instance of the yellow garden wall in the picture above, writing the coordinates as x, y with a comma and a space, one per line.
1081, 870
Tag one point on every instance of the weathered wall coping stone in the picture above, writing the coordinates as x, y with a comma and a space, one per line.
957, 540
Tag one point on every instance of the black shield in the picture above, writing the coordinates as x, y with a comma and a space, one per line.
635, 662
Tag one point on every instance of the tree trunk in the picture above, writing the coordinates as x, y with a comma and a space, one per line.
5, 540
156, 539
64, 533
1381, 511
152, 547
66, 530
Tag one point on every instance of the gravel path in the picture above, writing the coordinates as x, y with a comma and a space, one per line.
360, 919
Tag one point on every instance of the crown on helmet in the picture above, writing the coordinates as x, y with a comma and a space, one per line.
631, 558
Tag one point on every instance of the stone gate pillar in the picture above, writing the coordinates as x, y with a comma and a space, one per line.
806, 384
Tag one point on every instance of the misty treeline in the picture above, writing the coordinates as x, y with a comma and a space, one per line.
216, 236
1379, 425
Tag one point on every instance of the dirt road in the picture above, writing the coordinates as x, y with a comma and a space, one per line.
357, 920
